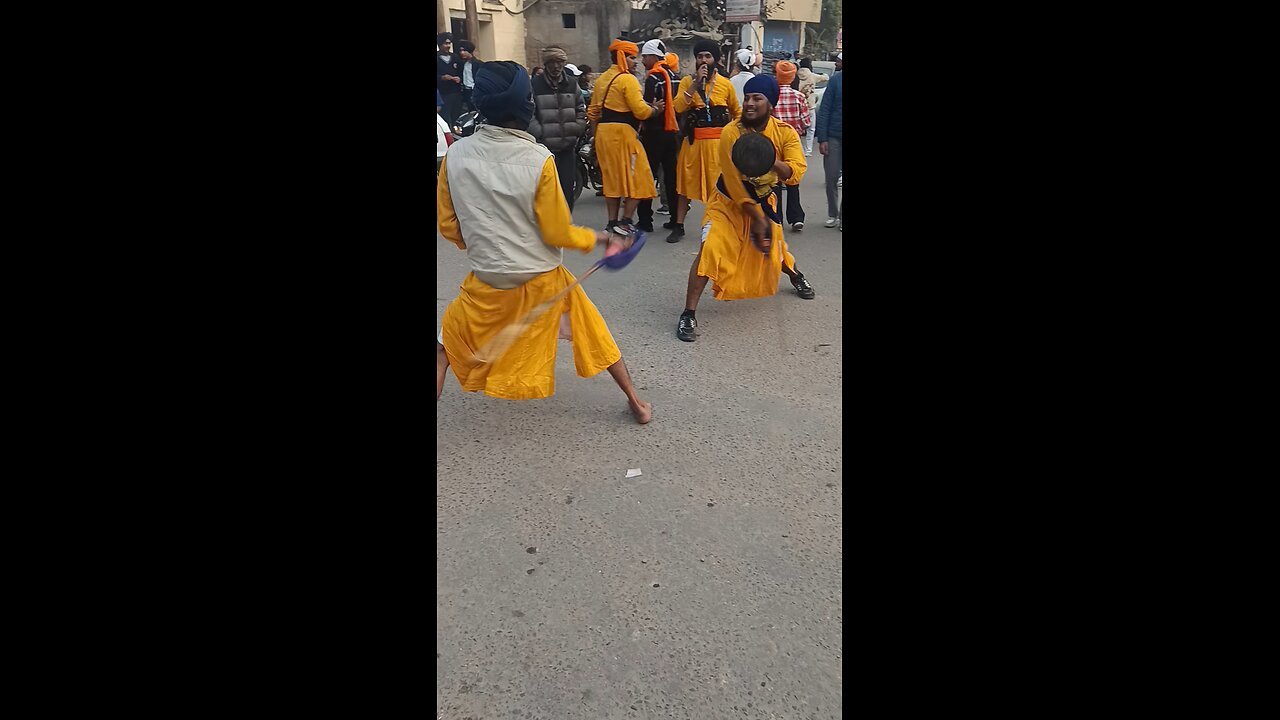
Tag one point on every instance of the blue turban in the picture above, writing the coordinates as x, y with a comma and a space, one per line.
503, 92
765, 85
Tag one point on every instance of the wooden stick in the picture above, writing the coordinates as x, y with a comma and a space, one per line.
507, 336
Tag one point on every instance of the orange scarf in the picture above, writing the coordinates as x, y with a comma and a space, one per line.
669, 111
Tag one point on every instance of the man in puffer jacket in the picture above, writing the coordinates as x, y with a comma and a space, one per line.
559, 116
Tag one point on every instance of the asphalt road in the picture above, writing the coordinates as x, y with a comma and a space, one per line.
707, 587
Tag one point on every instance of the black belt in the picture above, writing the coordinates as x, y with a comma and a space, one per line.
751, 193
717, 116
613, 116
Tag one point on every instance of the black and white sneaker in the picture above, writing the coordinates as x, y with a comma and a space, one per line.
685, 331
802, 286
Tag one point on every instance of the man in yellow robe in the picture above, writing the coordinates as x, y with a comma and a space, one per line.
742, 245
712, 104
617, 107
513, 225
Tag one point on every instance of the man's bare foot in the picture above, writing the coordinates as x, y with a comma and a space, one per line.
643, 412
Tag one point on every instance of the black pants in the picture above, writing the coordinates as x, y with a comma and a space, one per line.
795, 213
452, 107
662, 150
567, 170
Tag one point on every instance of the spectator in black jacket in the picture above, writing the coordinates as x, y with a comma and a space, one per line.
449, 78
559, 116
470, 63
660, 134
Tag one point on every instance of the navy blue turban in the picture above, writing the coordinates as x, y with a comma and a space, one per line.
503, 92
765, 85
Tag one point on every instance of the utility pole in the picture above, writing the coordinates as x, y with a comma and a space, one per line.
473, 23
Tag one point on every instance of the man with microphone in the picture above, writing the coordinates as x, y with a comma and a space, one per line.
713, 104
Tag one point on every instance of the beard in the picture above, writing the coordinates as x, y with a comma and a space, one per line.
758, 123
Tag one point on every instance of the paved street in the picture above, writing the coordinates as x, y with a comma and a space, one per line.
709, 586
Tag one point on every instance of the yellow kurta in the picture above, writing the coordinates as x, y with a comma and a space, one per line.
699, 163
624, 166
527, 370
737, 269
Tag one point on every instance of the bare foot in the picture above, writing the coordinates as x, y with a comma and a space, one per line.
643, 412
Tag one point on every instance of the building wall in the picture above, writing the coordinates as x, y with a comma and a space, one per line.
501, 34
801, 10
597, 23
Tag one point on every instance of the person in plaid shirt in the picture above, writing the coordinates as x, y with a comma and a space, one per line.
794, 111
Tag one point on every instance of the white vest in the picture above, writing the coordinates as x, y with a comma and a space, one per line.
493, 177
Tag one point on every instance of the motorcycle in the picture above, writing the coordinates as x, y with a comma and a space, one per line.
466, 124
588, 169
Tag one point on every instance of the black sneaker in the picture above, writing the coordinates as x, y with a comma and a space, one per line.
688, 324
669, 224
645, 226
802, 287
677, 232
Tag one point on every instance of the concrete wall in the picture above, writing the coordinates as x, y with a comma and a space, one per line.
598, 23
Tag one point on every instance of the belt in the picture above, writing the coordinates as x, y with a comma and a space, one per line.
613, 116
707, 133
769, 212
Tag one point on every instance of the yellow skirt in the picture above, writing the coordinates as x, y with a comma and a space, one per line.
624, 167
738, 270
699, 166
527, 370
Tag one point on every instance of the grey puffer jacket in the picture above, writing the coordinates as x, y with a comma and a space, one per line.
559, 114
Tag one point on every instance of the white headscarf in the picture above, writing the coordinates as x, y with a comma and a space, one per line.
654, 47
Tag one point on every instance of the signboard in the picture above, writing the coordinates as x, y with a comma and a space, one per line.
736, 11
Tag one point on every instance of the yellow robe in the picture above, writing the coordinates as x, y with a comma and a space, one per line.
738, 269
699, 164
624, 166
527, 370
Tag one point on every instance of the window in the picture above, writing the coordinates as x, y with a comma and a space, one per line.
570, 20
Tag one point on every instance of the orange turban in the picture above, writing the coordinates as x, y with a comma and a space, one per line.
619, 49
673, 62
785, 71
